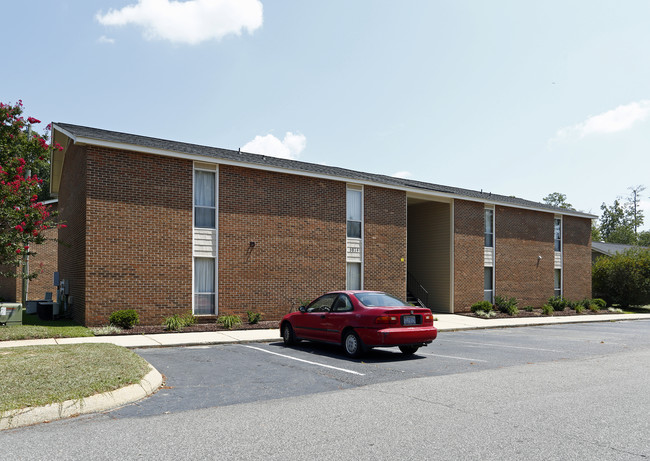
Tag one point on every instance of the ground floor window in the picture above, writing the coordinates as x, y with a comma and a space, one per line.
558, 282
354, 276
488, 285
204, 286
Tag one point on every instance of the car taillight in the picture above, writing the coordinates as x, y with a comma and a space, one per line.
386, 319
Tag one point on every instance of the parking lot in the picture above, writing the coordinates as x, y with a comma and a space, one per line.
210, 376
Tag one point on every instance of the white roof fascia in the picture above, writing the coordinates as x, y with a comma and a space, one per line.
206, 159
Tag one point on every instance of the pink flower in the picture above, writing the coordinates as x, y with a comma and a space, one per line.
33, 120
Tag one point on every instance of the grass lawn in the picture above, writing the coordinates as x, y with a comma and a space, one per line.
35, 328
38, 375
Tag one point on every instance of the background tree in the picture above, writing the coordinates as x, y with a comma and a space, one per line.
619, 222
557, 199
23, 216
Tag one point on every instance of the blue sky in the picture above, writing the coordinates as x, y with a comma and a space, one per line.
512, 97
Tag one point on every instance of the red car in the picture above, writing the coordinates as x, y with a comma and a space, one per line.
360, 320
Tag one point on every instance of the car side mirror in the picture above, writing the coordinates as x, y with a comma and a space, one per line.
302, 309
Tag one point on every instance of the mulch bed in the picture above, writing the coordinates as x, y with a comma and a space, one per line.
537, 313
213, 326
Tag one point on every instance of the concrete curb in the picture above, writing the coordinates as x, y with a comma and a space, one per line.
93, 404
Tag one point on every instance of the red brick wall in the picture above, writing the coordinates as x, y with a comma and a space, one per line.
9, 286
521, 236
44, 263
138, 235
298, 226
385, 240
72, 213
577, 257
469, 225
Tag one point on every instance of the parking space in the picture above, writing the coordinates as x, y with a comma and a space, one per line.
207, 376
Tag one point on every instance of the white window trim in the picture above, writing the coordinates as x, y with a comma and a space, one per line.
360, 188
212, 168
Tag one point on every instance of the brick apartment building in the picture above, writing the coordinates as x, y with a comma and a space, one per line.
167, 227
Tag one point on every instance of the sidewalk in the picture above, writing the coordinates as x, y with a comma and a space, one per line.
445, 322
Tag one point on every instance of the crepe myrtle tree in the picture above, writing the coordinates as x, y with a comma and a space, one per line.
23, 217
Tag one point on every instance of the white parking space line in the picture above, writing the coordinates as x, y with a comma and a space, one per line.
306, 361
562, 338
502, 345
452, 357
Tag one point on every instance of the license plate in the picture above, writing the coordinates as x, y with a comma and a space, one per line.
408, 320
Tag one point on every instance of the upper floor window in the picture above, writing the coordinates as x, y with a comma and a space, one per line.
489, 227
354, 212
558, 234
205, 199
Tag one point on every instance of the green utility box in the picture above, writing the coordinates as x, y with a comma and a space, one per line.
11, 314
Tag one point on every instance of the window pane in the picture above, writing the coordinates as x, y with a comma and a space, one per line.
204, 304
489, 227
354, 229
204, 286
205, 217
204, 275
487, 278
204, 188
558, 235
354, 205
354, 276
558, 279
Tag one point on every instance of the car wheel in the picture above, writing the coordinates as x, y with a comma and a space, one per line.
352, 344
409, 350
288, 336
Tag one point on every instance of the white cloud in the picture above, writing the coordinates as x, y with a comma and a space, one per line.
290, 147
189, 22
105, 39
620, 119
402, 174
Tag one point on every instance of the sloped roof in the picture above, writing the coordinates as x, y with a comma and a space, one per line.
86, 135
610, 249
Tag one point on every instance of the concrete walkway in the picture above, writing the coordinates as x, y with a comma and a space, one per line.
445, 322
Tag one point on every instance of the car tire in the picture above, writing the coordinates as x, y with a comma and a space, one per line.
288, 336
352, 344
409, 350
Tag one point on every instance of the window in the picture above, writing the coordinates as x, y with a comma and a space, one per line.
558, 234
558, 282
342, 304
488, 286
322, 304
353, 276
489, 227
204, 286
354, 199
205, 199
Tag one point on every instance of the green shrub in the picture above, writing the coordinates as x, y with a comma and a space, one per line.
557, 302
547, 309
505, 305
624, 278
579, 308
600, 303
485, 315
124, 318
254, 317
594, 307
485, 306
178, 322
229, 321
529, 308
571, 304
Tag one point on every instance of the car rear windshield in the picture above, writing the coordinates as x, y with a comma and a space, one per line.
379, 300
